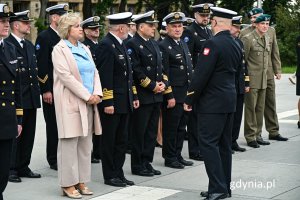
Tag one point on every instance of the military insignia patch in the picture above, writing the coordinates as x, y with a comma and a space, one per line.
206, 51
186, 39
37, 47
129, 51
141, 46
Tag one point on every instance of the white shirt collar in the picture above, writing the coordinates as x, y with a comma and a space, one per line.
144, 38
130, 34
54, 30
18, 39
1, 41
119, 40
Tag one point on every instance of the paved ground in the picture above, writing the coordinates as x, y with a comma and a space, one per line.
270, 172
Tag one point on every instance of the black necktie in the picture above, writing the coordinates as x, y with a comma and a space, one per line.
23, 43
2, 46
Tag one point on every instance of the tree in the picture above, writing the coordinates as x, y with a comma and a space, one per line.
240, 6
87, 9
122, 5
102, 9
288, 29
43, 8
269, 7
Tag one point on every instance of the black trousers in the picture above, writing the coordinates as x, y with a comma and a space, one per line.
193, 134
5, 156
215, 137
23, 145
144, 134
174, 123
114, 144
237, 120
96, 153
51, 133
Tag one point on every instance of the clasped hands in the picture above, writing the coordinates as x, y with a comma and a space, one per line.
159, 87
94, 100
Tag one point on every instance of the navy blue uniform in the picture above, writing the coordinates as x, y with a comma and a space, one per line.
179, 69
242, 81
23, 145
45, 42
115, 72
147, 70
195, 36
96, 153
213, 90
10, 108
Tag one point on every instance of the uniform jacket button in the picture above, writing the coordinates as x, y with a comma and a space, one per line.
12, 81
12, 103
12, 92
3, 104
3, 93
4, 82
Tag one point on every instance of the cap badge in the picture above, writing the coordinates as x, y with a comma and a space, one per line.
176, 15
152, 16
205, 6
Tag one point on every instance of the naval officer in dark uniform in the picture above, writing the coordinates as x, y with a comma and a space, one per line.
22, 148
195, 35
179, 70
45, 42
91, 29
113, 64
148, 76
242, 85
10, 98
213, 90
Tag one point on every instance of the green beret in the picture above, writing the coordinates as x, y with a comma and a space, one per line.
262, 18
255, 11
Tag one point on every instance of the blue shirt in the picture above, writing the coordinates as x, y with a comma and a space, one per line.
85, 65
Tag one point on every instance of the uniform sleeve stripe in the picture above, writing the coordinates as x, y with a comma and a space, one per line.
145, 82
44, 79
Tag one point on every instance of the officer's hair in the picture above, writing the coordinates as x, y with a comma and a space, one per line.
113, 27
12, 24
223, 21
66, 22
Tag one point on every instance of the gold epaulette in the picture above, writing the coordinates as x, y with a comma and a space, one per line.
190, 93
165, 77
44, 79
19, 111
145, 82
168, 90
108, 94
134, 90
247, 78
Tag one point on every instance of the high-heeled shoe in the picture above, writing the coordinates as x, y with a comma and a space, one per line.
73, 195
84, 191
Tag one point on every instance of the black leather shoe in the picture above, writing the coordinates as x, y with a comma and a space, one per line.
204, 194
174, 164
54, 167
144, 172
30, 174
197, 157
128, 182
278, 138
216, 196
94, 160
115, 182
253, 144
151, 169
236, 147
298, 124
185, 162
262, 142
14, 178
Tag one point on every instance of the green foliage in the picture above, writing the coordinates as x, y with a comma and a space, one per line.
288, 29
102, 10
40, 24
240, 6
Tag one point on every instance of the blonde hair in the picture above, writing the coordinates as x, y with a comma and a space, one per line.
65, 23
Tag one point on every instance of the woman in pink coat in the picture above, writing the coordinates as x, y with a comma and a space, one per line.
77, 91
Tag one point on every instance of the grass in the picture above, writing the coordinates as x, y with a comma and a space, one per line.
288, 69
